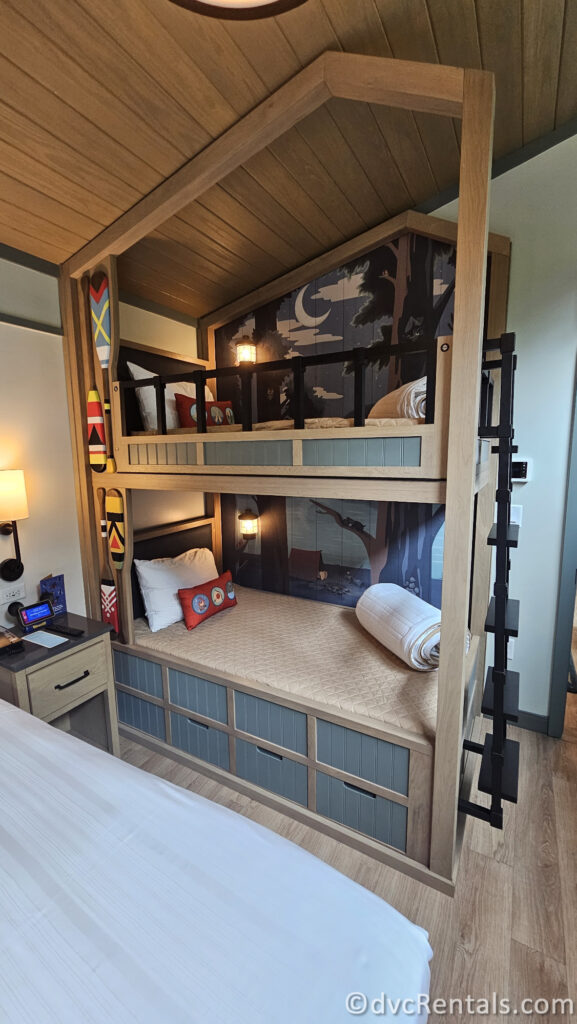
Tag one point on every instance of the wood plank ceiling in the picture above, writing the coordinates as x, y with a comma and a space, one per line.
101, 101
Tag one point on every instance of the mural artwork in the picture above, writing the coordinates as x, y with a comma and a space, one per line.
402, 291
332, 550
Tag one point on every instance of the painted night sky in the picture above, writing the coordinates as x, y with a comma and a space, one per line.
400, 291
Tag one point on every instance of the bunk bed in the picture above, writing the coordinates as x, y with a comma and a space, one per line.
380, 770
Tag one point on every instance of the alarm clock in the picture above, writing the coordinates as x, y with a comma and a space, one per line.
34, 616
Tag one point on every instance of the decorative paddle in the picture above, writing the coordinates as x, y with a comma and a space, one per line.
108, 594
97, 306
96, 433
115, 526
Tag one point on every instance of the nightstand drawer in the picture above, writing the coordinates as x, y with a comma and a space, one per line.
62, 683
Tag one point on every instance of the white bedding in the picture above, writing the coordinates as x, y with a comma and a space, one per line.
127, 900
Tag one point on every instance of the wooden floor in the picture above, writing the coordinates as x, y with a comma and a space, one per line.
512, 926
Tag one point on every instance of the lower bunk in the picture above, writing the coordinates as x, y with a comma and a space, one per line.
292, 701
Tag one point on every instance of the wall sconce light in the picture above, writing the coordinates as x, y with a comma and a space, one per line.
238, 9
248, 524
13, 506
245, 351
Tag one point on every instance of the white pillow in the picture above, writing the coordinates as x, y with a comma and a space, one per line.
147, 397
161, 578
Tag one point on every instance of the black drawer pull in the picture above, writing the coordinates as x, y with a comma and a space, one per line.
269, 753
200, 725
357, 789
63, 686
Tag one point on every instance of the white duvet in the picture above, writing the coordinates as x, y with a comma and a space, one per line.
127, 900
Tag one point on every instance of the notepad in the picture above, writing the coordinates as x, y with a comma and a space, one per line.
44, 639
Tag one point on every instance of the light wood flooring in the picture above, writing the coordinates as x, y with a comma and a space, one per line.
512, 925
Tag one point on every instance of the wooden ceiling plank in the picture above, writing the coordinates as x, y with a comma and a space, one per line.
309, 31
454, 25
267, 170
542, 39
295, 153
186, 263
30, 168
267, 50
501, 40
225, 206
359, 127
141, 35
196, 244
39, 227
18, 239
26, 197
49, 64
566, 108
52, 114
247, 191
365, 34
341, 164
411, 38
271, 118
214, 52
138, 266
209, 225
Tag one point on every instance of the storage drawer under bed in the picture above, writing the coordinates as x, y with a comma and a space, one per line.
366, 757
362, 810
272, 771
200, 740
141, 714
269, 721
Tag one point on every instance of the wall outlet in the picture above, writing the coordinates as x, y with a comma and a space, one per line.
517, 514
13, 593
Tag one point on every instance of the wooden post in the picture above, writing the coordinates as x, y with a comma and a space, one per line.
476, 153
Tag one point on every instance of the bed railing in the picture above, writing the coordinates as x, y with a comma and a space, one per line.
296, 366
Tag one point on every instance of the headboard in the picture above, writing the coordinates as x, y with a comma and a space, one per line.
166, 542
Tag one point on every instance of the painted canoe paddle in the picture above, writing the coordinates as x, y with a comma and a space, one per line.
96, 432
108, 593
114, 505
97, 306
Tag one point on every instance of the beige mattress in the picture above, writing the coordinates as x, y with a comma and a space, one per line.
319, 423
314, 651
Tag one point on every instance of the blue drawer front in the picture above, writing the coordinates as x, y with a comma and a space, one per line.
273, 722
197, 694
200, 740
248, 453
358, 452
141, 714
364, 756
138, 673
376, 817
271, 771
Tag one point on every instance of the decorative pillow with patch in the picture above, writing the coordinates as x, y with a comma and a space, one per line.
202, 602
146, 397
218, 414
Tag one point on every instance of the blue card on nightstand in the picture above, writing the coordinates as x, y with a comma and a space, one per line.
53, 586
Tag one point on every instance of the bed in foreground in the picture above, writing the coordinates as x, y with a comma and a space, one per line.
124, 898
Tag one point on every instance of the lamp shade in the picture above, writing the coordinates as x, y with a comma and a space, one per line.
248, 523
239, 8
245, 350
13, 500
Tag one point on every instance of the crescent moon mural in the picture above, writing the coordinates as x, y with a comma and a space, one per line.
304, 318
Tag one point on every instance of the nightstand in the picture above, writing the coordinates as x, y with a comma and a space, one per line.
71, 686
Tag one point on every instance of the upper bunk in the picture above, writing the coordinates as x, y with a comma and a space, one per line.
348, 372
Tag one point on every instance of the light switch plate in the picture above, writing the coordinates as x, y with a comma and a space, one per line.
517, 515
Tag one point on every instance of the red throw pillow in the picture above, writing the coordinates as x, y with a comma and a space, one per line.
199, 603
218, 414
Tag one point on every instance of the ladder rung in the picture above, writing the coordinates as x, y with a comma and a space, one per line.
510, 695
510, 772
512, 539
511, 617
496, 451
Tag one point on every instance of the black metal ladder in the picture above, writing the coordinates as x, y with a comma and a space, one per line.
499, 773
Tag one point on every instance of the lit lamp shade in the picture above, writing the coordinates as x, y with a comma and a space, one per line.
13, 500
248, 524
245, 351
239, 8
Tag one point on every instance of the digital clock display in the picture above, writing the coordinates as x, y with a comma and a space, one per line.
35, 613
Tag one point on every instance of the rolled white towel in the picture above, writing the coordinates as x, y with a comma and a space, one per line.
403, 623
409, 402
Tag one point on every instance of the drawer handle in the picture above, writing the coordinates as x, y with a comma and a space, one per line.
269, 753
357, 789
63, 686
200, 725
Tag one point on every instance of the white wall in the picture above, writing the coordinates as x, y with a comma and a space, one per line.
35, 437
536, 206
29, 294
158, 332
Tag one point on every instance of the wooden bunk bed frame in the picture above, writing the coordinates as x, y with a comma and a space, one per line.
457, 479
